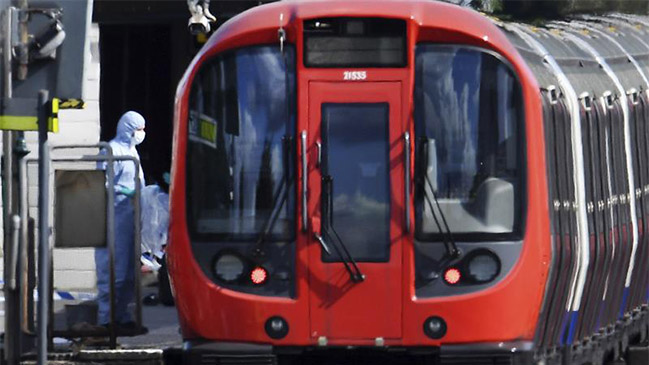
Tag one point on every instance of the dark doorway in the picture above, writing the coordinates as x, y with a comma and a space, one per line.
145, 48
136, 74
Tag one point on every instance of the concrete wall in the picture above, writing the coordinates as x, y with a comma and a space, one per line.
74, 269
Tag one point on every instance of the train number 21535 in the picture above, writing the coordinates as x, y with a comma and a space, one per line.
354, 75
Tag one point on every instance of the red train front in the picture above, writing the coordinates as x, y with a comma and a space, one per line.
359, 175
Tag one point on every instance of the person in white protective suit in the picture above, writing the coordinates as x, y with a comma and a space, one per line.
130, 132
155, 224
155, 219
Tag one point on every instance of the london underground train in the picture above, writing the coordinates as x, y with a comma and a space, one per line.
412, 182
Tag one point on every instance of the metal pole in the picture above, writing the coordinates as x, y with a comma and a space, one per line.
7, 52
12, 335
6, 135
43, 227
27, 297
137, 247
23, 57
110, 234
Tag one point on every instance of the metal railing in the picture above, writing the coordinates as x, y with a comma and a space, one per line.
44, 191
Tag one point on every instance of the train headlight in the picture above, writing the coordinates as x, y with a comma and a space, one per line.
276, 327
483, 266
435, 327
228, 267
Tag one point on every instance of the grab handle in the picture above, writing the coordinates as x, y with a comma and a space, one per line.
304, 181
15, 247
406, 177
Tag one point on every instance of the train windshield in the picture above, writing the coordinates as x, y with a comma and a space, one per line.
241, 134
468, 127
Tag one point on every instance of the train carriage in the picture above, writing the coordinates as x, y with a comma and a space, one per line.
412, 181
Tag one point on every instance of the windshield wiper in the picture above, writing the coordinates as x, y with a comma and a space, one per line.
279, 199
348, 261
449, 242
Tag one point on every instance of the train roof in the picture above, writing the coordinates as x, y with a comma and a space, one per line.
587, 49
248, 26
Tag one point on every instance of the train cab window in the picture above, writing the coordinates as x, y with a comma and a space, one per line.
241, 134
468, 138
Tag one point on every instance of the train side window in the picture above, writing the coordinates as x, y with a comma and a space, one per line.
568, 213
604, 170
469, 138
586, 121
551, 160
241, 131
643, 119
618, 120
549, 99
564, 164
619, 164
636, 150
613, 164
597, 172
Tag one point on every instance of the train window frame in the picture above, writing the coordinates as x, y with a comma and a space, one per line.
289, 52
521, 208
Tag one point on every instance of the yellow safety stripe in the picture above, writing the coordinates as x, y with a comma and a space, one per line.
30, 123
22, 123
71, 104
16, 123
53, 120
53, 125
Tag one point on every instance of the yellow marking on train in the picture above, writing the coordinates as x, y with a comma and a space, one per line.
207, 130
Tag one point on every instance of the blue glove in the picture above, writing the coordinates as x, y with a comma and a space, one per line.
126, 191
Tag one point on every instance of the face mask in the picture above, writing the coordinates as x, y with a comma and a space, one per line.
138, 137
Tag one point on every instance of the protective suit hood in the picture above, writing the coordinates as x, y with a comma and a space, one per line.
127, 125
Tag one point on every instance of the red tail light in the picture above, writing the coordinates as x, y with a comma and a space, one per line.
452, 276
258, 275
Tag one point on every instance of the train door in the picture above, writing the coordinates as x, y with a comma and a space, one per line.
356, 203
